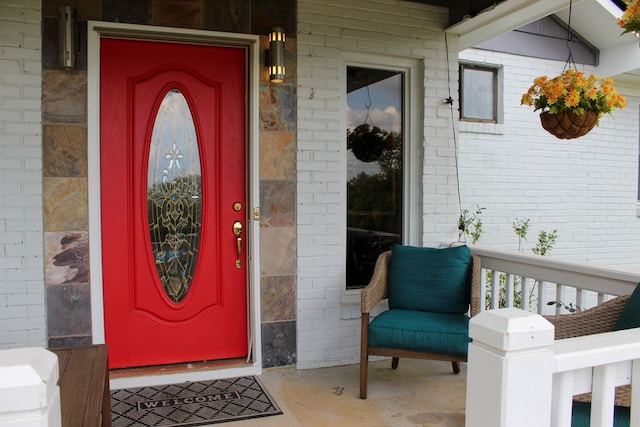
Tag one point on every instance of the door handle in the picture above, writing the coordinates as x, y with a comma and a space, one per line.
237, 231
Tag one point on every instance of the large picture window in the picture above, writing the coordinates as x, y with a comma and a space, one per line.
374, 168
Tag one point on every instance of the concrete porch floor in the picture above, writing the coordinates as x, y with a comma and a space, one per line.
419, 393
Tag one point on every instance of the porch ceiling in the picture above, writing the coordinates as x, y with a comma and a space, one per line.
480, 20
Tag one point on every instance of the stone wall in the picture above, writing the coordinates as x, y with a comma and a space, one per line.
65, 163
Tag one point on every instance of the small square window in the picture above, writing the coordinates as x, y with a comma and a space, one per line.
478, 93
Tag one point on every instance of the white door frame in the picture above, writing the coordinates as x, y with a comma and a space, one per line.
96, 30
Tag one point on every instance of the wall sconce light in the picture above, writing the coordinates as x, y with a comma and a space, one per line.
67, 37
277, 69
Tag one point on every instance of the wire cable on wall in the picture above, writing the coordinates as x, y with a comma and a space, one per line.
449, 101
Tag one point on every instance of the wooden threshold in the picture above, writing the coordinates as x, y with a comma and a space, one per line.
178, 368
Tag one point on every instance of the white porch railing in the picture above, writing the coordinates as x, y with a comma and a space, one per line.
538, 280
518, 376
596, 363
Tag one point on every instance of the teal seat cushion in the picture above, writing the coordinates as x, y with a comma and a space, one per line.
429, 279
443, 333
581, 415
630, 316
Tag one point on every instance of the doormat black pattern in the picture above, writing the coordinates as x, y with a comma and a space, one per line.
191, 403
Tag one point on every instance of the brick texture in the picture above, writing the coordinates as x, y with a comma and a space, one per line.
22, 318
329, 33
585, 188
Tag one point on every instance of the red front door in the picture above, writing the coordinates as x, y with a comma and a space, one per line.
173, 197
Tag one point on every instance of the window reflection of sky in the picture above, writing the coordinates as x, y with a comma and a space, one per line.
174, 149
385, 112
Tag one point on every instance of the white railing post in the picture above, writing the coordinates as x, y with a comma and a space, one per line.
29, 392
510, 370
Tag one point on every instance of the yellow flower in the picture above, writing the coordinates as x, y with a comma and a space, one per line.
572, 99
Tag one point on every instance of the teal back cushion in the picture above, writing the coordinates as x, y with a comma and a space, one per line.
630, 316
429, 279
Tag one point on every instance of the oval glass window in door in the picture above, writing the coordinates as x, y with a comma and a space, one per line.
174, 195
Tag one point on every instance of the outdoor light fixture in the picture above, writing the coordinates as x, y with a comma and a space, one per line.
67, 37
277, 69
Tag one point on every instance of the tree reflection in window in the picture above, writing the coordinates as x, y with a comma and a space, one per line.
174, 199
375, 168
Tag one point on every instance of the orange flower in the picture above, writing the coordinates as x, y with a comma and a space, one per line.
591, 93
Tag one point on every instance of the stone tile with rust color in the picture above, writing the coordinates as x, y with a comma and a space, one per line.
277, 156
277, 108
277, 250
177, 13
66, 257
64, 96
65, 204
64, 150
277, 203
278, 298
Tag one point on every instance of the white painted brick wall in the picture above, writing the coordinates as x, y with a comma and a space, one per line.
586, 188
327, 30
22, 314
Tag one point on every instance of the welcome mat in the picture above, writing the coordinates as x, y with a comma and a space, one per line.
191, 403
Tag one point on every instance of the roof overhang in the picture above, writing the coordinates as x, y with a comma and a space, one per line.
619, 54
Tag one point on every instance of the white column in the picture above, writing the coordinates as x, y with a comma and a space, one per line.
509, 373
29, 392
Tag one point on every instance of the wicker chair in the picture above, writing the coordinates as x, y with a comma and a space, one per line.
596, 320
376, 291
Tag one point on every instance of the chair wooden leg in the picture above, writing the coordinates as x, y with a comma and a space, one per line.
394, 362
364, 356
456, 367
364, 361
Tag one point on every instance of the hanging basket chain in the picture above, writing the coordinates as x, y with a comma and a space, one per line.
570, 61
367, 104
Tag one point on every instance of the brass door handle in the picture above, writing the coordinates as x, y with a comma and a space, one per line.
237, 231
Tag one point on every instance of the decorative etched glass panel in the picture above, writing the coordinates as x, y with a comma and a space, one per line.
174, 197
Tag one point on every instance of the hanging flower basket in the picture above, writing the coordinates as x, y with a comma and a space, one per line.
567, 124
571, 104
366, 142
630, 19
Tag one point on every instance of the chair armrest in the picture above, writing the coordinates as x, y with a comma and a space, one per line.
596, 320
376, 290
476, 274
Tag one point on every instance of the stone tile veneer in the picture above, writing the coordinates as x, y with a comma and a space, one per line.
65, 150
67, 258
64, 97
65, 204
65, 163
278, 344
